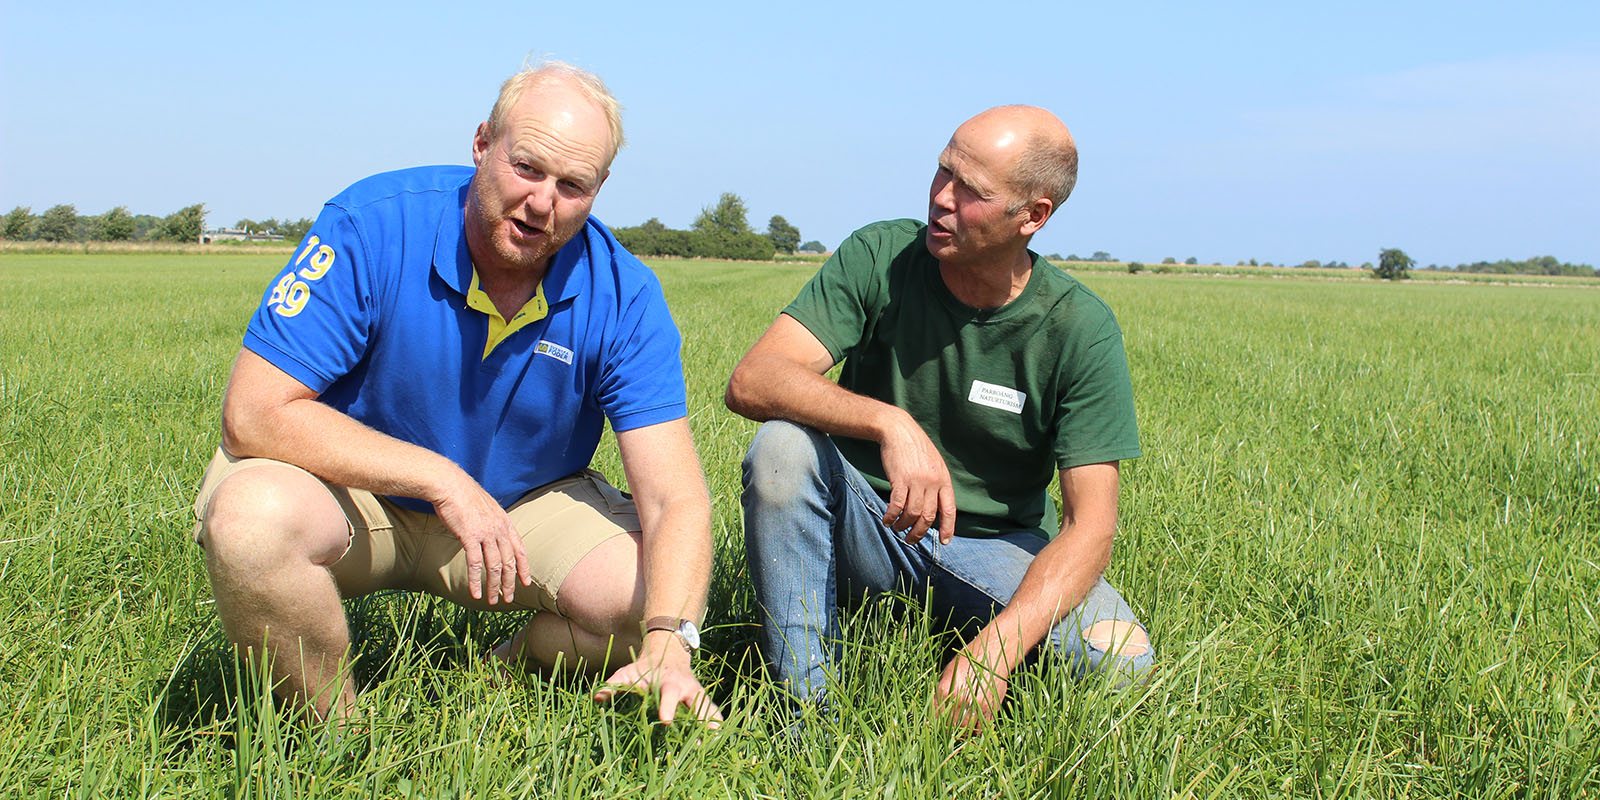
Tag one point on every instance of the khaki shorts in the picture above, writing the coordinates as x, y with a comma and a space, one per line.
392, 547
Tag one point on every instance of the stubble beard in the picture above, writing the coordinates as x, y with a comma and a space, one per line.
494, 229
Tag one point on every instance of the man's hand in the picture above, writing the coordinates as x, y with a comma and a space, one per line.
782, 378
970, 689
495, 557
920, 492
662, 668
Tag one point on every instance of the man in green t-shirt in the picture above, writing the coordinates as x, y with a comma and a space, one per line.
973, 372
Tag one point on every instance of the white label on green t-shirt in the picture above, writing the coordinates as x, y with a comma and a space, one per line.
996, 396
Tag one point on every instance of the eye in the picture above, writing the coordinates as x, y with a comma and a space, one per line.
525, 169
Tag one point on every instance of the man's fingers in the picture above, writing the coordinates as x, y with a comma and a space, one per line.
508, 571
669, 700
897, 503
671, 691
918, 515
947, 513
698, 701
709, 711
926, 512
520, 554
474, 554
942, 691
700, 705
609, 691
905, 516
492, 569
627, 679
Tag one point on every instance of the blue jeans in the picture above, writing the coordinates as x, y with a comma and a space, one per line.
813, 526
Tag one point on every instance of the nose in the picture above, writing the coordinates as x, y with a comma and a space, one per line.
541, 198
942, 194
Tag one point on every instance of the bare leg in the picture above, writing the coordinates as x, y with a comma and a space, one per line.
271, 533
603, 598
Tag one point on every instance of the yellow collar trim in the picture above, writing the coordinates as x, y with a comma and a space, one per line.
499, 329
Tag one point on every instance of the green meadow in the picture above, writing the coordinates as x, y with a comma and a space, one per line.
1365, 537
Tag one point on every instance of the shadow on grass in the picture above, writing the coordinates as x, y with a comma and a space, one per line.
393, 632
389, 631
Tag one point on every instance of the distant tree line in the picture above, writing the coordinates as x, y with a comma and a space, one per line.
63, 223
720, 231
1393, 263
1100, 256
290, 230
1538, 265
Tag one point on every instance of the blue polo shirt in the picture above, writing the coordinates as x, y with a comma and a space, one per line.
371, 313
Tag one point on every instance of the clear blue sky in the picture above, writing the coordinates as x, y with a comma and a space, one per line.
1458, 131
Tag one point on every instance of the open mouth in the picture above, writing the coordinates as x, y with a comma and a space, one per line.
524, 228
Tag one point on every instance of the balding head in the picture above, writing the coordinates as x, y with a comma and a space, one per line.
556, 75
1044, 159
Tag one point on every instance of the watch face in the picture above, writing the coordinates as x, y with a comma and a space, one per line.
690, 634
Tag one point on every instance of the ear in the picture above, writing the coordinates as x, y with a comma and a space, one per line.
602, 182
480, 144
1038, 213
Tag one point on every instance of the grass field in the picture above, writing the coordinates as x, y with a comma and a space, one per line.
1364, 537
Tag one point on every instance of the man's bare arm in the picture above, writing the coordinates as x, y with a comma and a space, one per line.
1055, 583
782, 378
266, 413
675, 512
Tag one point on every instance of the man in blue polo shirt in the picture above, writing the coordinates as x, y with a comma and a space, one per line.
418, 399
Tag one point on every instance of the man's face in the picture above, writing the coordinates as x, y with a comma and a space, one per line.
967, 204
537, 178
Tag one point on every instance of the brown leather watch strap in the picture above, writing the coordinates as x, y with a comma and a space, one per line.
662, 624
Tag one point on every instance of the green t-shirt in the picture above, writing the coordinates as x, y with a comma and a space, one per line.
1008, 395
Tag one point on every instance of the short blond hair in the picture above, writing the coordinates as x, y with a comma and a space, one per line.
547, 72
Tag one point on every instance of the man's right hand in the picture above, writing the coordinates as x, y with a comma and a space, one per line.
268, 413
495, 557
920, 492
782, 378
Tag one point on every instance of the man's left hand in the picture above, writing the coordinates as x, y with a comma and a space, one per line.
662, 668
970, 690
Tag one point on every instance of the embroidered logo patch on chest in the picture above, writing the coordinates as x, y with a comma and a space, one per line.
996, 396
555, 351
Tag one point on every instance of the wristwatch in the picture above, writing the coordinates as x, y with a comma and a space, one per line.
684, 628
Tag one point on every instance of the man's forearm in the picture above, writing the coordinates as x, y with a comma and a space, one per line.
766, 387
1055, 583
677, 562
674, 507
268, 414
782, 377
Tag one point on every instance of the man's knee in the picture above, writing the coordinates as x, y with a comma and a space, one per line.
1117, 637
604, 592
269, 516
1120, 647
780, 457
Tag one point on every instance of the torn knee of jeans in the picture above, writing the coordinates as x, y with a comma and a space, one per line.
1117, 637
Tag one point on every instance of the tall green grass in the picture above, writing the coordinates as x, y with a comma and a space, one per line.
1363, 537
